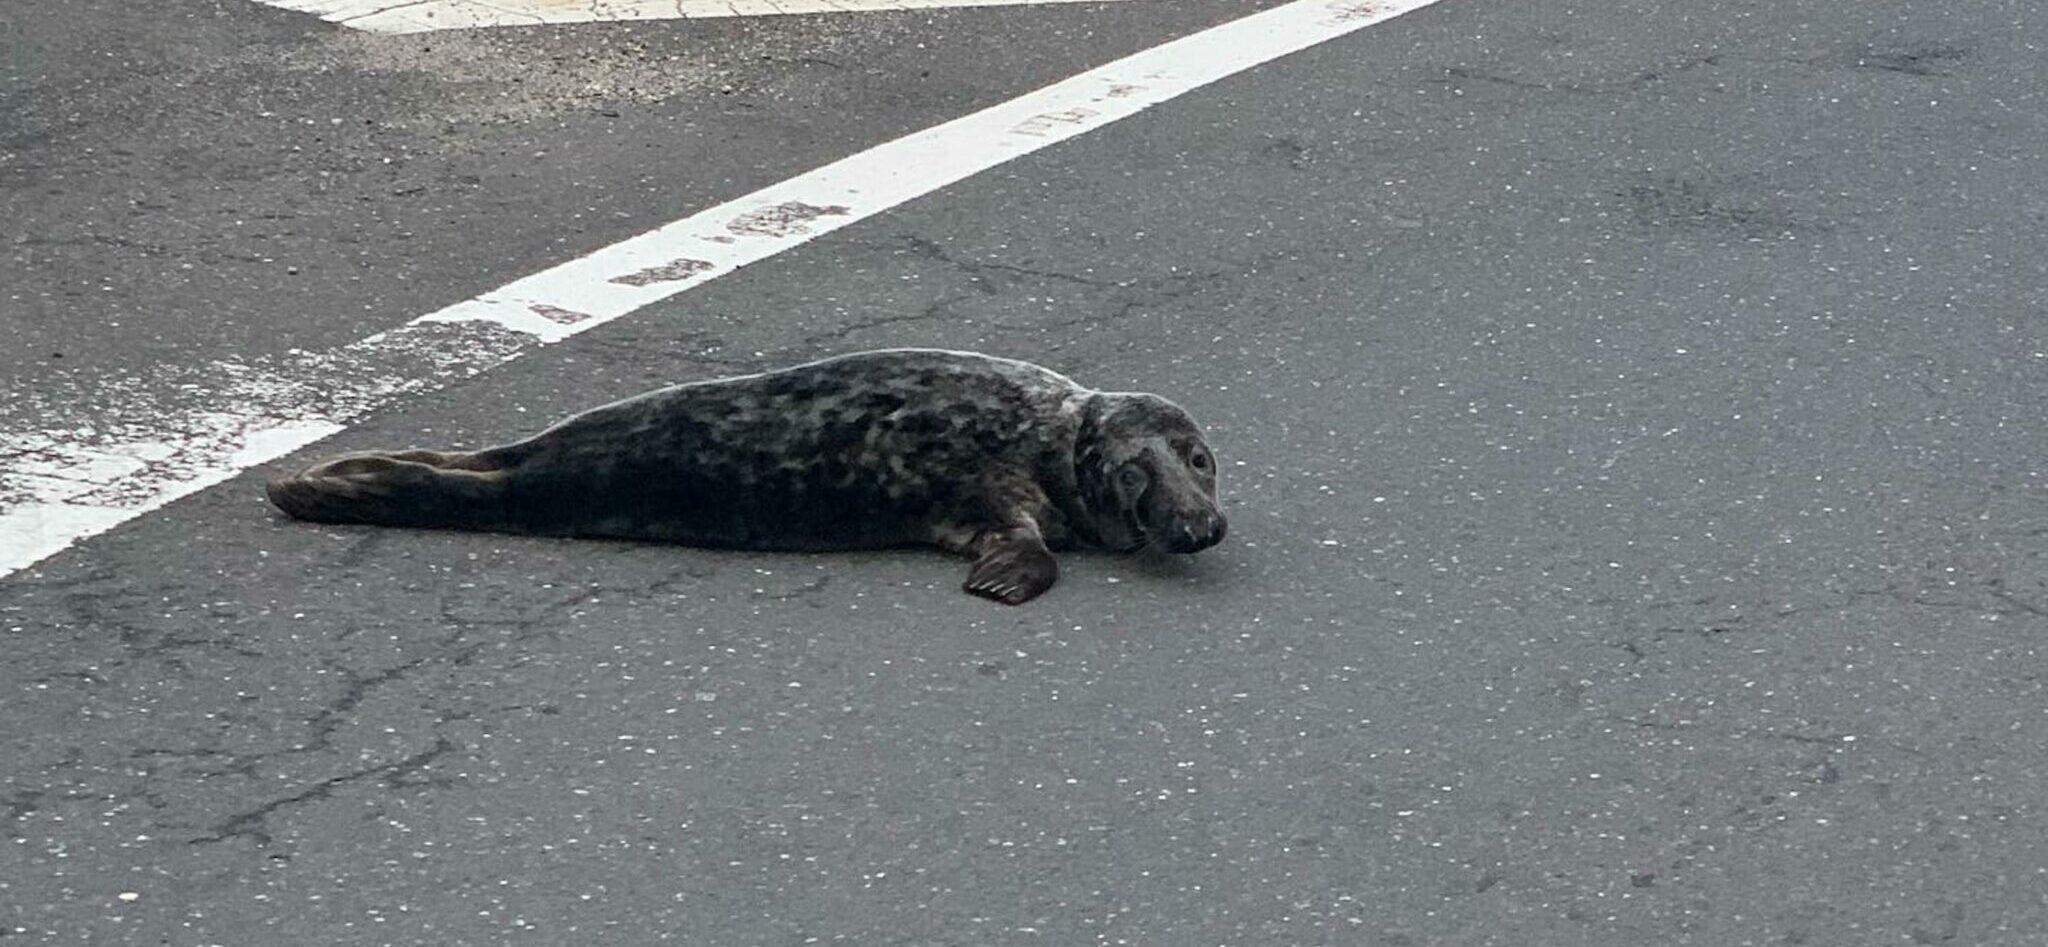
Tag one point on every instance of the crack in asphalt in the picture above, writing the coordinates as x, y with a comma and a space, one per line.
253, 824
328, 720
976, 269
1925, 59
1127, 296
1611, 87
936, 310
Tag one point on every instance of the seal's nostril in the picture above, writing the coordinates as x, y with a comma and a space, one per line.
1199, 533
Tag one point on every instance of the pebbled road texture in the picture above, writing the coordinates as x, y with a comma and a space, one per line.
1631, 415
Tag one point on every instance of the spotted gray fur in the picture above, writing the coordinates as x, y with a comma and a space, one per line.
996, 459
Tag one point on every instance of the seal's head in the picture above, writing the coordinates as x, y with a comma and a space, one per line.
1146, 475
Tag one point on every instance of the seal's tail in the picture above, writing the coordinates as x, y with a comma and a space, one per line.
412, 488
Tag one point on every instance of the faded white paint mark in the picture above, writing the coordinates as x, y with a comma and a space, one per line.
673, 270
33, 531
84, 454
567, 317
782, 220
1040, 126
421, 16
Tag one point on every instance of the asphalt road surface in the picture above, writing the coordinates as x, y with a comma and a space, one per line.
1631, 415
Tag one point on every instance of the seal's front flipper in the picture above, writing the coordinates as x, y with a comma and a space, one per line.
1014, 567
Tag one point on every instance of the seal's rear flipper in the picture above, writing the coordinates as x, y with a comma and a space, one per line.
407, 489
1014, 568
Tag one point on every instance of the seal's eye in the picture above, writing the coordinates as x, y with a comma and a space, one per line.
1200, 461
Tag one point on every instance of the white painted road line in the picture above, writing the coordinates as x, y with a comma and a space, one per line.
421, 16
104, 456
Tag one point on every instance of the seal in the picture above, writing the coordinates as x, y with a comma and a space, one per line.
999, 460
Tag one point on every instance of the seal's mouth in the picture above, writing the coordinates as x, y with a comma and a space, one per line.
1135, 528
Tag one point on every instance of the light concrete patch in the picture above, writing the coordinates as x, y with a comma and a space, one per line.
421, 16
